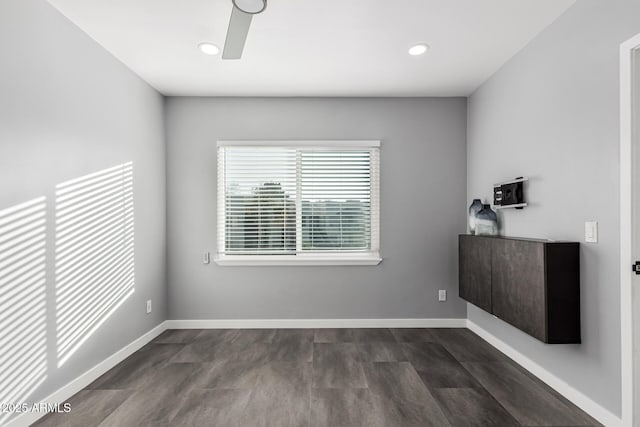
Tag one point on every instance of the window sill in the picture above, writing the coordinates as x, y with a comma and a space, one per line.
298, 260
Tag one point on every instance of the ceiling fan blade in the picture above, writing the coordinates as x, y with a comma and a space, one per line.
236, 34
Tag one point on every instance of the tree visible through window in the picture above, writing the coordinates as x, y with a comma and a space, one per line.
264, 220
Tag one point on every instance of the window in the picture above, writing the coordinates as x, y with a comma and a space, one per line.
302, 202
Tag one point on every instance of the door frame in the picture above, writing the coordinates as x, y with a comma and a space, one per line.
627, 227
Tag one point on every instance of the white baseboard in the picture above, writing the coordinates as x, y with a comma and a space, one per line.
314, 323
576, 397
73, 387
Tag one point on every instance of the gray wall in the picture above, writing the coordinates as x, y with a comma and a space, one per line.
551, 113
68, 109
422, 209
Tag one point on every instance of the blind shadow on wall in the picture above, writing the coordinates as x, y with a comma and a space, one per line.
23, 305
94, 253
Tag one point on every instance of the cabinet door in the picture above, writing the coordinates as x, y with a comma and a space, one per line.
475, 270
518, 285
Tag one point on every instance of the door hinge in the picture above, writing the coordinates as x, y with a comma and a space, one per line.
636, 267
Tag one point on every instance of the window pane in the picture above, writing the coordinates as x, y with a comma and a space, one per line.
260, 191
336, 200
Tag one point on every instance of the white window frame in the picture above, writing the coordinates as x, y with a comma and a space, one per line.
371, 257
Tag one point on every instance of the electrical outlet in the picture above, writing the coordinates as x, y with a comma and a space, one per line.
442, 295
206, 258
148, 306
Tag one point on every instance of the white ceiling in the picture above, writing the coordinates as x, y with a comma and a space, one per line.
316, 47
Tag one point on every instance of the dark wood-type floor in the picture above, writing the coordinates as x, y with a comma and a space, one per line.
323, 377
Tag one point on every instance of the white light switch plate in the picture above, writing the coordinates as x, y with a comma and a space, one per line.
206, 259
442, 295
591, 232
148, 306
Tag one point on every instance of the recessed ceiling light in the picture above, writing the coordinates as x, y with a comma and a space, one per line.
209, 48
418, 49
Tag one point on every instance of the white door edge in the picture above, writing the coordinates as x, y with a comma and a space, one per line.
628, 223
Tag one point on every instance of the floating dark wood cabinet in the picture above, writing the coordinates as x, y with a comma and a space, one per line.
475, 271
531, 284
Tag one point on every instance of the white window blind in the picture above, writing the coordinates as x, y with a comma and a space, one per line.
296, 199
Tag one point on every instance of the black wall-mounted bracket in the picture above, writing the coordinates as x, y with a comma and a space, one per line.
509, 194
